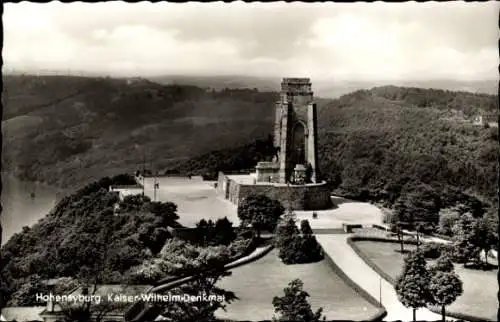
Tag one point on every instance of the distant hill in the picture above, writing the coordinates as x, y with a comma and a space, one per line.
328, 89
221, 82
68, 131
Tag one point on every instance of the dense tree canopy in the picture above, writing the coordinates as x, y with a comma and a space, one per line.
206, 264
418, 206
182, 258
473, 236
82, 237
261, 212
221, 232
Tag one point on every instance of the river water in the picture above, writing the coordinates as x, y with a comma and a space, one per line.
19, 208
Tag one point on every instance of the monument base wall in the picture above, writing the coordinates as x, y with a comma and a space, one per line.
314, 196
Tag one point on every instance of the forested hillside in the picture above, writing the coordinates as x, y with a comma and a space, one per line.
372, 143
71, 131
82, 238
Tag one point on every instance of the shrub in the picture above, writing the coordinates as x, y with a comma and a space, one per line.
448, 250
300, 250
310, 250
238, 246
431, 250
443, 264
447, 219
290, 250
260, 211
221, 232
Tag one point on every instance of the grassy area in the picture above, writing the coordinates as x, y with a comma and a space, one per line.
257, 283
480, 287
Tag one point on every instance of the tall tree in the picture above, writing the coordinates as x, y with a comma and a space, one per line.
486, 234
473, 236
204, 232
224, 232
294, 305
286, 230
412, 286
418, 204
396, 227
445, 287
261, 212
305, 227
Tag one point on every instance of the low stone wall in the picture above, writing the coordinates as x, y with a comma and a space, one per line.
379, 316
304, 197
299, 197
328, 231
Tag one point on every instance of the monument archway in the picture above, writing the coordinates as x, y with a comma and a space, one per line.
299, 134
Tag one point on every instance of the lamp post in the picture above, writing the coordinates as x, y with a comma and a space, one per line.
156, 186
143, 183
380, 290
418, 228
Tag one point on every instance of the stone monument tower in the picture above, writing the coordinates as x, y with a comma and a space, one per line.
292, 177
295, 132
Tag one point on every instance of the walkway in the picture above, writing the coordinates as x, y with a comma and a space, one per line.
359, 272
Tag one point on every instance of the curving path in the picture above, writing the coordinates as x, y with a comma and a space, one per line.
336, 246
142, 314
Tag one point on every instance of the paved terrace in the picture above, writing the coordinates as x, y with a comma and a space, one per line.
197, 199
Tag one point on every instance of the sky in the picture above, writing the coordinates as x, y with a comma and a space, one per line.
352, 41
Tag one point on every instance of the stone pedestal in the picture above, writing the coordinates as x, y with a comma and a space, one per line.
300, 174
